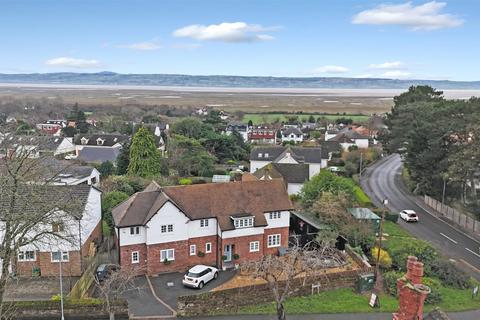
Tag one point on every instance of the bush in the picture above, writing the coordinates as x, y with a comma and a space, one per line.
450, 275
185, 181
124, 187
362, 198
385, 259
435, 295
420, 249
110, 200
390, 281
391, 216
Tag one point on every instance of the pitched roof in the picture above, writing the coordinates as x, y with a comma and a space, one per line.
44, 143
32, 197
330, 146
212, 200
108, 139
363, 213
290, 172
307, 155
291, 130
94, 154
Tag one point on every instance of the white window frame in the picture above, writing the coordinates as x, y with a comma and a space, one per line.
166, 228
243, 222
203, 223
275, 215
22, 255
166, 252
193, 249
64, 256
274, 240
254, 246
208, 247
137, 254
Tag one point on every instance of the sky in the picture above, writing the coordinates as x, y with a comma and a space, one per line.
342, 38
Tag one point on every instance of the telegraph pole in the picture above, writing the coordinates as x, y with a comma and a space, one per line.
61, 286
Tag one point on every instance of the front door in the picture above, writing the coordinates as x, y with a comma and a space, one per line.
227, 252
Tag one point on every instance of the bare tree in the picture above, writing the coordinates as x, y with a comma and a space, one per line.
300, 263
29, 207
114, 286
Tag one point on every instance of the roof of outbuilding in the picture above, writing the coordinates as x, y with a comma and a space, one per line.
290, 172
213, 200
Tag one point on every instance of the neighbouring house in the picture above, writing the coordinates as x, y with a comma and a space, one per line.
239, 127
331, 147
35, 146
292, 134
294, 175
52, 126
79, 230
263, 134
349, 137
63, 172
11, 119
98, 148
223, 224
365, 214
316, 158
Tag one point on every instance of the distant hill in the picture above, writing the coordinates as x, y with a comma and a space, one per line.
112, 78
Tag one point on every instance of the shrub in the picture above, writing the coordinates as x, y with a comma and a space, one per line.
236, 256
231, 162
420, 249
125, 188
435, 295
450, 275
390, 281
391, 216
362, 198
185, 181
385, 259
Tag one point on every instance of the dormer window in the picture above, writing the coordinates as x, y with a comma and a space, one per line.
266, 155
100, 141
84, 140
243, 222
260, 155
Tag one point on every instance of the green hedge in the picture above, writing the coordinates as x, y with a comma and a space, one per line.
362, 198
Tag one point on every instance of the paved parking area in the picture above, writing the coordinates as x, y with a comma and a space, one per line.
142, 303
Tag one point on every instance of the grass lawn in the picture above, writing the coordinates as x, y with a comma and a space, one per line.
362, 198
258, 118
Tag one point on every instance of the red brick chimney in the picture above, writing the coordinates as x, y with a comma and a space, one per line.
411, 292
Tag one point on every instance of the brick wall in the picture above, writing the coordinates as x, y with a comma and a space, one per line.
49, 268
95, 236
126, 257
241, 246
213, 302
283, 239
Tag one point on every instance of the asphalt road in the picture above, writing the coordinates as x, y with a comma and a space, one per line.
383, 181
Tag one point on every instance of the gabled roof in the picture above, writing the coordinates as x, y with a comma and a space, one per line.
44, 143
109, 140
33, 197
275, 153
291, 130
290, 172
212, 200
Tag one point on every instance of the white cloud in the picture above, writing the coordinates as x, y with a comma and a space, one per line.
396, 74
331, 69
388, 65
427, 16
226, 32
142, 46
73, 63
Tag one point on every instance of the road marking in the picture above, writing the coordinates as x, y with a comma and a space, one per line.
469, 265
449, 238
478, 255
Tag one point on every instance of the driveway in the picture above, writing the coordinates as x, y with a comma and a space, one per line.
143, 303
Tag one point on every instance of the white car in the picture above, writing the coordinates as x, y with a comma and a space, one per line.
199, 276
409, 216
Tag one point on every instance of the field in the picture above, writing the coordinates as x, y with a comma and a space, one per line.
258, 118
332, 101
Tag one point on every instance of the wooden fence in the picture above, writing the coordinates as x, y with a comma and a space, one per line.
458, 218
